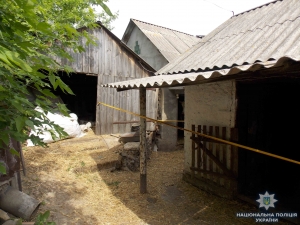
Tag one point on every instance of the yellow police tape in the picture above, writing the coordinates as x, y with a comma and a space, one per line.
204, 135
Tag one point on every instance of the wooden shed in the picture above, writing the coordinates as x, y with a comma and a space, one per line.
241, 114
108, 61
158, 46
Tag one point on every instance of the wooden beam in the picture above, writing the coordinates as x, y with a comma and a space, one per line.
204, 157
234, 151
210, 148
132, 121
193, 151
143, 149
199, 153
151, 89
217, 133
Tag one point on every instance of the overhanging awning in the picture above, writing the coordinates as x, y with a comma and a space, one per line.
185, 79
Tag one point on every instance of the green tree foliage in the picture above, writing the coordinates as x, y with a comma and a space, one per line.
107, 20
79, 13
32, 34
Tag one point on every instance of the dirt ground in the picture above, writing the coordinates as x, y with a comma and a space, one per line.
72, 179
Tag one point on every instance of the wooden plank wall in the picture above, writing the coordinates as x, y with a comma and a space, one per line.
113, 63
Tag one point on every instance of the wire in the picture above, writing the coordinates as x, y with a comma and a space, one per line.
145, 68
219, 6
204, 135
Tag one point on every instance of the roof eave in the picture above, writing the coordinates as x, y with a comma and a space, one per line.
128, 31
263, 70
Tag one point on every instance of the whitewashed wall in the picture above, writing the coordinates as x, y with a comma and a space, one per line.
211, 104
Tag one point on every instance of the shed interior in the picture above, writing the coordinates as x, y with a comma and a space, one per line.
83, 103
268, 119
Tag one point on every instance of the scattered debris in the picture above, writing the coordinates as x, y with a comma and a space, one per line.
18, 203
93, 195
114, 135
133, 136
130, 137
129, 158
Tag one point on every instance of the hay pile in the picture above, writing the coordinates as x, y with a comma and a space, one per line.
72, 179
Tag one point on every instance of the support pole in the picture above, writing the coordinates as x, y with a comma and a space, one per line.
143, 147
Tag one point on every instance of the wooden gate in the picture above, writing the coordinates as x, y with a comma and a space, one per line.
215, 161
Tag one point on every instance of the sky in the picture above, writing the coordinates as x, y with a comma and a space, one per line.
195, 17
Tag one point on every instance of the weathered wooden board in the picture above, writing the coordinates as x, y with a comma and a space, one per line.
112, 62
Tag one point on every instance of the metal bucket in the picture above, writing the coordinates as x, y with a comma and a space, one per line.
18, 203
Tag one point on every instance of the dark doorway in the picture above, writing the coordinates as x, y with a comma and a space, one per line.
83, 103
268, 118
180, 115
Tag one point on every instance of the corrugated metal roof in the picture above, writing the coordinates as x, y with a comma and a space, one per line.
265, 33
195, 77
169, 42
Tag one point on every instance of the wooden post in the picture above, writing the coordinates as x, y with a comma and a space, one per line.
143, 147
193, 152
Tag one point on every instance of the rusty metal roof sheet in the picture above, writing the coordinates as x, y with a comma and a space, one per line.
262, 34
169, 42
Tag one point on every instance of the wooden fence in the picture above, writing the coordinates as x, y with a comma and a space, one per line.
213, 160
